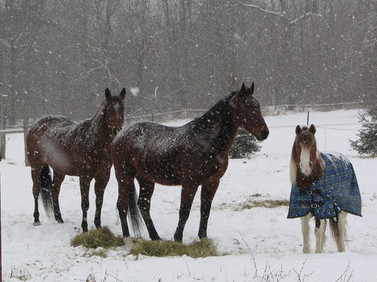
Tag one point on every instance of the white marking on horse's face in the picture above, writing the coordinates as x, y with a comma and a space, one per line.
305, 167
116, 107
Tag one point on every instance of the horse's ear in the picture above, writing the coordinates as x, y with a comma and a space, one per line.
243, 89
238, 97
312, 129
122, 93
298, 130
252, 88
107, 93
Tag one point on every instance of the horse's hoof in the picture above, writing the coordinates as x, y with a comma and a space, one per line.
202, 236
36, 223
178, 238
154, 236
84, 227
59, 220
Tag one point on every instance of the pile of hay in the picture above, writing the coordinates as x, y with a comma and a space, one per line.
97, 238
202, 248
104, 238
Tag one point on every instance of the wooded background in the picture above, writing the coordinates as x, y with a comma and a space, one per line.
58, 56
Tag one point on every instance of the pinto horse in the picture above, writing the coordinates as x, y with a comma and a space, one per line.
324, 185
190, 155
79, 149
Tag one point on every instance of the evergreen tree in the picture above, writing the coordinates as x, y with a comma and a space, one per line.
243, 146
366, 144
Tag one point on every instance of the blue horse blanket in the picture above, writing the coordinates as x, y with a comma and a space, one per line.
337, 190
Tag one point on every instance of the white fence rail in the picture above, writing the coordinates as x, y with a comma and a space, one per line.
267, 110
3, 142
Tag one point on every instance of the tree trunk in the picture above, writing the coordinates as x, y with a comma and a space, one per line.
11, 115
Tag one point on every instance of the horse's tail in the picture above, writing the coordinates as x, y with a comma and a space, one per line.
134, 212
338, 226
334, 228
46, 190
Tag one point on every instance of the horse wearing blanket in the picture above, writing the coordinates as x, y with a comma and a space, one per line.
324, 186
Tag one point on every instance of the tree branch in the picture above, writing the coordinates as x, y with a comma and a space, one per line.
5, 43
300, 18
261, 10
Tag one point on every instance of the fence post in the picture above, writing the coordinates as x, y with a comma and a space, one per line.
1, 256
2, 136
2, 146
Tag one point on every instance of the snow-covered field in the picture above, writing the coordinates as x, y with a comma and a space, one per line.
261, 243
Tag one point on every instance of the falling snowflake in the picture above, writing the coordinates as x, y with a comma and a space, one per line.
134, 91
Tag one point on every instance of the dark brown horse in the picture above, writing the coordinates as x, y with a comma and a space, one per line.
79, 149
191, 155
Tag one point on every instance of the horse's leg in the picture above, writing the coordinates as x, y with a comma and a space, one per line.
320, 236
144, 203
207, 193
305, 228
339, 231
187, 196
57, 182
342, 225
99, 188
125, 184
84, 188
35, 175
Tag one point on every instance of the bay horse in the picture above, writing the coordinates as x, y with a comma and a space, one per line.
324, 186
190, 155
78, 149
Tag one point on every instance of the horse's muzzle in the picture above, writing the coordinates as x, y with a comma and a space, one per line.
264, 134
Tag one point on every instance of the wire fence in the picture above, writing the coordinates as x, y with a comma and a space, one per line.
267, 110
188, 113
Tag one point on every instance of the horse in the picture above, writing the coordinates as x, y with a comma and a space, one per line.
77, 149
190, 155
324, 186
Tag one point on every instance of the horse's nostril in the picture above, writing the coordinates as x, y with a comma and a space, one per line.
265, 133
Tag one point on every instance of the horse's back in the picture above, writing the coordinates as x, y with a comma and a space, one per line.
141, 133
154, 150
44, 139
49, 123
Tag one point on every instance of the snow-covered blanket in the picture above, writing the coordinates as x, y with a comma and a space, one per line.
337, 190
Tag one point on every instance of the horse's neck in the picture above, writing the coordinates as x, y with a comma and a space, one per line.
319, 165
99, 131
315, 163
219, 124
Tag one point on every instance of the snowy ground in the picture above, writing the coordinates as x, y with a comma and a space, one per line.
261, 244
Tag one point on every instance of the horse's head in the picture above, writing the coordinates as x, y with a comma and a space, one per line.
305, 137
305, 156
248, 113
114, 109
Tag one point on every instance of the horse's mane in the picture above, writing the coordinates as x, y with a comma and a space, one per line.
88, 131
220, 112
217, 120
97, 119
316, 162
